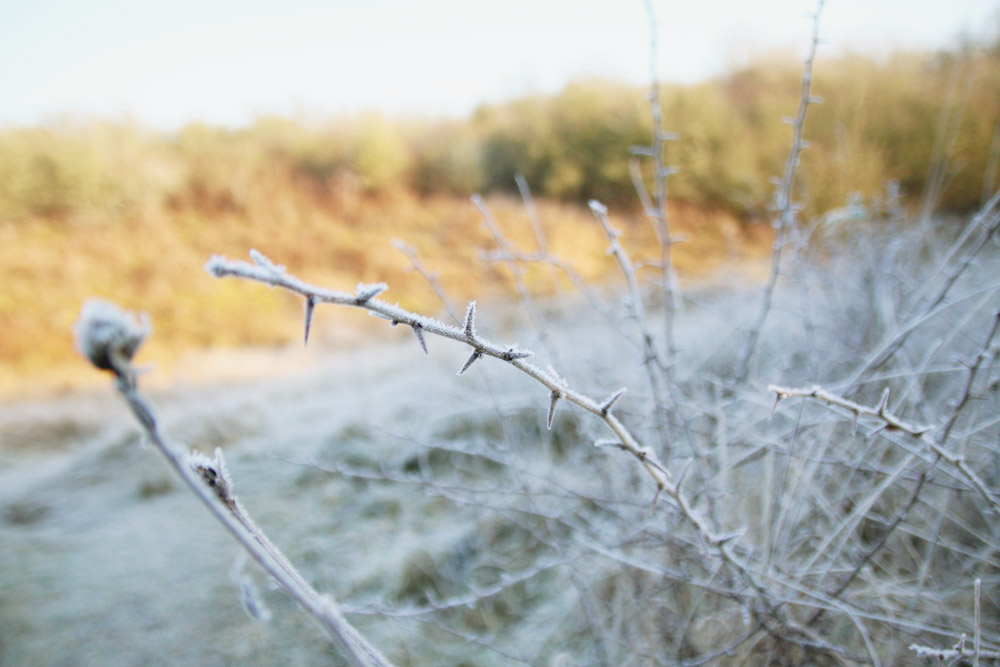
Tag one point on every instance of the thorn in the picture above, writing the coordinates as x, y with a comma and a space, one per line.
470, 321
778, 397
684, 472
309, 308
365, 293
261, 260
476, 354
513, 354
611, 400
728, 537
608, 443
854, 425
656, 497
883, 402
419, 330
556, 395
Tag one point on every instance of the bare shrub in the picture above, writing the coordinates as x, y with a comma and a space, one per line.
804, 476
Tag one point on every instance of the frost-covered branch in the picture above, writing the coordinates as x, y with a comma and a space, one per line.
785, 206
893, 423
265, 271
109, 337
722, 544
655, 206
889, 420
656, 366
987, 223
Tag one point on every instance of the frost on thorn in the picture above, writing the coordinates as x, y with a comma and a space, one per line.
470, 321
216, 265
366, 293
472, 359
110, 336
883, 404
261, 260
610, 401
555, 396
419, 331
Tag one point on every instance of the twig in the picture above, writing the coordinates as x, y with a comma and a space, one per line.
260, 272
881, 412
656, 207
720, 543
787, 209
893, 423
110, 338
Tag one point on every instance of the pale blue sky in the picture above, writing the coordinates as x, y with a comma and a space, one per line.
226, 61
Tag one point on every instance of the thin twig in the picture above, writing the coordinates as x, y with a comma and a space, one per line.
106, 333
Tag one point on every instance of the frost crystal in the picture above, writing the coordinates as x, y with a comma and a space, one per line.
110, 336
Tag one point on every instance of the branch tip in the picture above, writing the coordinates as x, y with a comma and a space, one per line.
109, 337
216, 265
597, 207
600, 444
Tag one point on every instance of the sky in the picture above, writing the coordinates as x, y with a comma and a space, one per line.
166, 63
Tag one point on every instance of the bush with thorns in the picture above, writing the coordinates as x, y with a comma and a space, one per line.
813, 479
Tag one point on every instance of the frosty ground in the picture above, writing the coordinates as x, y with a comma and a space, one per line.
456, 529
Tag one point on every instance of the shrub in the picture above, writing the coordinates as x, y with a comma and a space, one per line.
730, 508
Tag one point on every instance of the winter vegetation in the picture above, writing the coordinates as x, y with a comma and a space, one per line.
628, 468
329, 195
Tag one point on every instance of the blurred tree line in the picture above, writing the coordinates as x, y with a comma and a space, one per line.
930, 121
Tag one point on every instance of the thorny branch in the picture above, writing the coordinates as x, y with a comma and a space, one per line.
786, 208
265, 271
110, 338
891, 422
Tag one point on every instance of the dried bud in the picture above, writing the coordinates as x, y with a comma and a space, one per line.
110, 336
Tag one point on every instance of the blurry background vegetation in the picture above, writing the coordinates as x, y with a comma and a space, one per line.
110, 208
